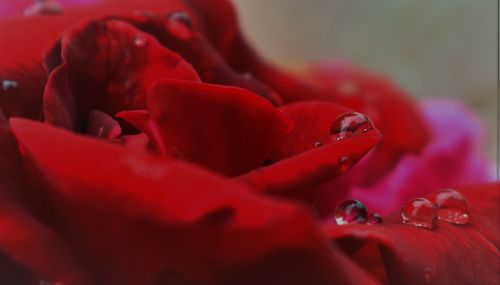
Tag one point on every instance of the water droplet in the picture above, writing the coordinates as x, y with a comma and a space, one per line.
350, 124
8, 84
345, 164
373, 219
140, 40
180, 25
419, 212
43, 8
317, 144
452, 206
350, 212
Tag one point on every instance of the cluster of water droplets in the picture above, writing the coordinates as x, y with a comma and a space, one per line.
446, 205
354, 212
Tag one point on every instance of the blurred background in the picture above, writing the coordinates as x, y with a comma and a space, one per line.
430, 48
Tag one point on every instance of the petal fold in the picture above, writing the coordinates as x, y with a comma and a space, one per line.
227, 129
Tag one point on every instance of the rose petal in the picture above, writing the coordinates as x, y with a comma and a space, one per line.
301, 167
300, 175
106, 65
103, 125
24, 239
34, 245
227, 129
20, 89
21, 50
171, 221
199, 52
137, 118
312, 122
448, 254
391, 110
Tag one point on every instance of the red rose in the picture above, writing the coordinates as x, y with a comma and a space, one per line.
158, 159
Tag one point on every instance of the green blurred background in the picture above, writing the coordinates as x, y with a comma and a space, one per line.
430, 48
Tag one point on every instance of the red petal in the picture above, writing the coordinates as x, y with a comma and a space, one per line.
140, 120
227, 129
103, 125
108, 65
218, 21
137, 118
20, 88
200, 53
304, 167
23, 40
299, 175
390, 108
24, 239
37, 247
396, 115
21, 51
312, 124
166, 220
449, 254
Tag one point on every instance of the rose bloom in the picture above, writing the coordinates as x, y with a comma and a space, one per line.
145, 142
